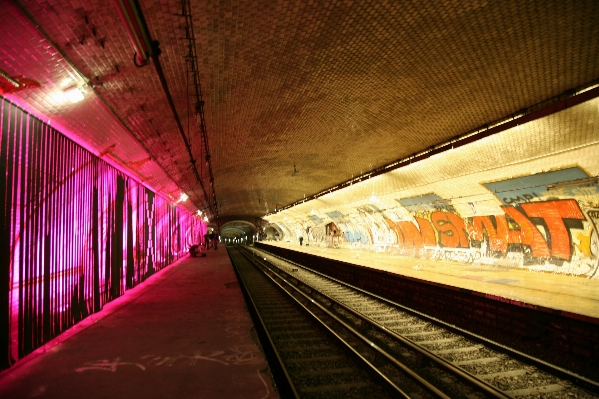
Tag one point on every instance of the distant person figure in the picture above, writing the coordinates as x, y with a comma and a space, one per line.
301, 240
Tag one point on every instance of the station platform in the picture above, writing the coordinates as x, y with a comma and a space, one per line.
574, 297
183, 333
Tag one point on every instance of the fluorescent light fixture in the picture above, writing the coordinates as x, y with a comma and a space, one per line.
135, 25
74, 94
59, 97
66, 82
573, 183
182, 198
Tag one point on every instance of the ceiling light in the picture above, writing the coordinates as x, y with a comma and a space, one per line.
74, 94
135, 25
182, 198
66, 82
205, 218
199, 213
573, 183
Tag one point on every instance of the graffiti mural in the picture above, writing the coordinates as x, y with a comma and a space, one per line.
543, 223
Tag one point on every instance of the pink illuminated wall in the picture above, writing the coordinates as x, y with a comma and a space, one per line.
75, 233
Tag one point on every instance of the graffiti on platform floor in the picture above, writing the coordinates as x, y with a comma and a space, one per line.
108, 365
237, 355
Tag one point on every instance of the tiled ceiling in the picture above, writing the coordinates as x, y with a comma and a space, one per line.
300, 95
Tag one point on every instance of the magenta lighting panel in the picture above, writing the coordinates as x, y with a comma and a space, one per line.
75, 233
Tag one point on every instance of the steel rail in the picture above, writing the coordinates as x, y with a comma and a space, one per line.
461, 373
541, 364
252, 304
405, 369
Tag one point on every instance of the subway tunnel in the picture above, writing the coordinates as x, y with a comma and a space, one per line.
449, 148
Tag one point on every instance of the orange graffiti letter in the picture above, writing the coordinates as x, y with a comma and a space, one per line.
397, 230
553, 212
458, 222
427, 232
528, 234
497, 242
411, 235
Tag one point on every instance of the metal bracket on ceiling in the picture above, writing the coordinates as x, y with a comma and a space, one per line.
192, 68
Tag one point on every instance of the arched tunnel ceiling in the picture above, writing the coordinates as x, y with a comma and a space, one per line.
237, 229
232, 232
299, 96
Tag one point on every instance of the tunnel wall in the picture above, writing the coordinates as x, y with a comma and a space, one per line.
548, 233
76, 233
526, 198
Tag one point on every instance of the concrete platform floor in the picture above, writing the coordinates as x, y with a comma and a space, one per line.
183, 333
574, 295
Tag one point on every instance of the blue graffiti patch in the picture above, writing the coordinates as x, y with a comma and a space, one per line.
526, 188
354, 236
335, 215
315, 219
422, 199
425, 203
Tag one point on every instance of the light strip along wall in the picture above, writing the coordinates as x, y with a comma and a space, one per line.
75, 233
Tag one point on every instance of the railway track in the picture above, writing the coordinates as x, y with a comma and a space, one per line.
312, 363
413, 350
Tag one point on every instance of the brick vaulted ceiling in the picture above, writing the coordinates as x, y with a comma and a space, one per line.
299, 95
